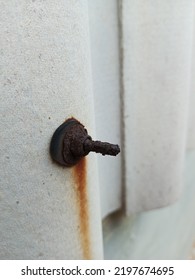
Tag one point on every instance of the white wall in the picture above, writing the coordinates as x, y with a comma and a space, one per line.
45, 211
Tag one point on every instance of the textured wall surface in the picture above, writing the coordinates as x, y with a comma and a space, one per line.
46, 211
126, 74
103, 23
157, 42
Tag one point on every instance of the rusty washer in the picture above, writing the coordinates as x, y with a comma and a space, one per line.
70, 142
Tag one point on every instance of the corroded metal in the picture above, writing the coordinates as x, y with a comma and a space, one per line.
71, 142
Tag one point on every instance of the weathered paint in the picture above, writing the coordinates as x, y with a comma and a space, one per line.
80, 177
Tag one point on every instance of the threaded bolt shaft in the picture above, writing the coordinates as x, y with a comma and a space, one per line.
103, 148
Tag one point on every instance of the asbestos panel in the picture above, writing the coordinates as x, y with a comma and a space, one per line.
157, 48
46, 211
104, 42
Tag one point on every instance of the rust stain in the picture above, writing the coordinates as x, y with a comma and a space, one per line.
79, 173
192, 255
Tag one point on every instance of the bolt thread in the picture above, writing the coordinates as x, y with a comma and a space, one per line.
103, 148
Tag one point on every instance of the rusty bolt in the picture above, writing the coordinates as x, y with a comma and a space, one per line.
71, 142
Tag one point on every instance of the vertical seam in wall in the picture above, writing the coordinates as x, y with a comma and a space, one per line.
190, 80
122, 105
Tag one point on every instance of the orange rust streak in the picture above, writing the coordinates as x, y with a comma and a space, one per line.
80, 171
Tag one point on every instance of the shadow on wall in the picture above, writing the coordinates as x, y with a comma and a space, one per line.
166, 233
